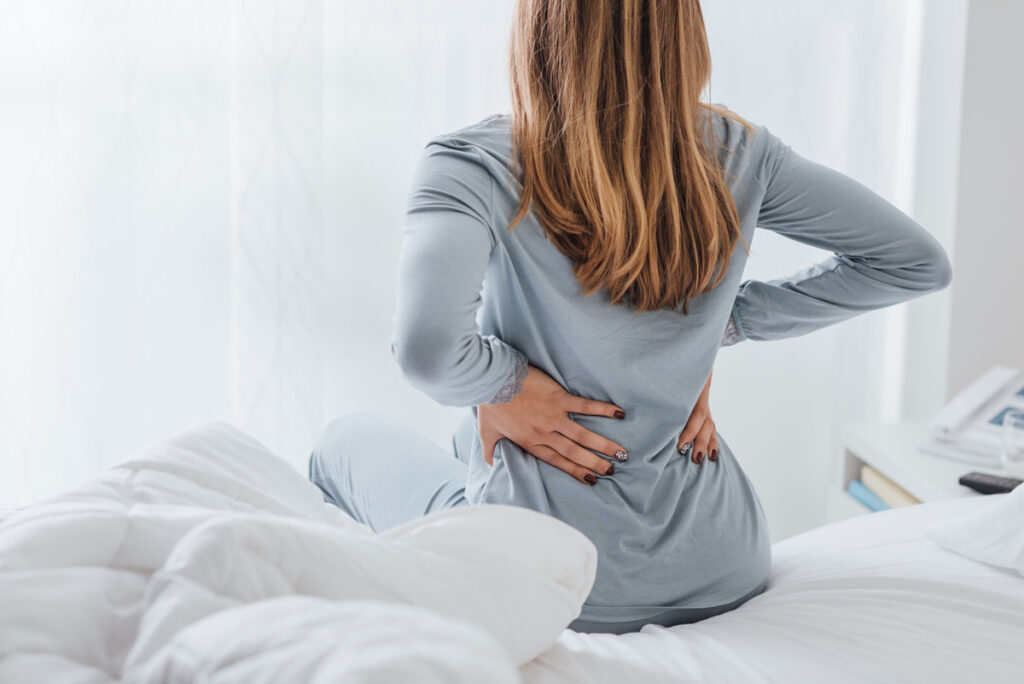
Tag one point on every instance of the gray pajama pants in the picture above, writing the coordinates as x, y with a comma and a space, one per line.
383, 473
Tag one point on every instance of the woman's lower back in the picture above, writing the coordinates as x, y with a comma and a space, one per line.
674, 538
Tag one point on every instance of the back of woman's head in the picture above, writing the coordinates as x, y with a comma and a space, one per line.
613, 145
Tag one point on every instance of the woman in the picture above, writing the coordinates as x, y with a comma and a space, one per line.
606, 213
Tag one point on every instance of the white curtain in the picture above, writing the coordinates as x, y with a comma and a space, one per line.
200, 217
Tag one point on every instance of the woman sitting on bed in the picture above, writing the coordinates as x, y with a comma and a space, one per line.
597, 236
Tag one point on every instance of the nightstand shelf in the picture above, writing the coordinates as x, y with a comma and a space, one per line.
892, 450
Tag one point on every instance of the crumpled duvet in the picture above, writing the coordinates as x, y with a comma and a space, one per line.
208, 558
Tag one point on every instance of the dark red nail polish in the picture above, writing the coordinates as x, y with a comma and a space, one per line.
700, 457
620, 414
590, 478
714, 455
611, 469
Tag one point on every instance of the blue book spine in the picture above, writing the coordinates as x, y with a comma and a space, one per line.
867, 497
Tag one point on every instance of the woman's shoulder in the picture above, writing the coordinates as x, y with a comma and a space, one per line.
492, 134
741, 140
456, 170
476, 154
732, 129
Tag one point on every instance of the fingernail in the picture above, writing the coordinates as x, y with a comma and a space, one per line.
714, 455
619, 413
621, 455
590, 478
611, 469
683, 448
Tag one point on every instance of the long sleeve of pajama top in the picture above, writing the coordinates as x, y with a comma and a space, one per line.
476, 302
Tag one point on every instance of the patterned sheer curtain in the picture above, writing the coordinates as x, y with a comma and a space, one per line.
201, 202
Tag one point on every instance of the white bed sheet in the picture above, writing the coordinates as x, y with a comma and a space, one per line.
863, 600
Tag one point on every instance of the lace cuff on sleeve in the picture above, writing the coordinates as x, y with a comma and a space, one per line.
515, 380
732, 335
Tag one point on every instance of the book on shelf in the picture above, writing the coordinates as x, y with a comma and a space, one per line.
885, 489
867, 497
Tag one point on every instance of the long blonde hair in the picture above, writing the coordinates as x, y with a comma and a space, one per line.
606, 98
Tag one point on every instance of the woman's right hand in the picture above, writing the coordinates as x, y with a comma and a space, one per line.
537, 419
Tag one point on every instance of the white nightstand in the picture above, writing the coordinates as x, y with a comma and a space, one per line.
891, 449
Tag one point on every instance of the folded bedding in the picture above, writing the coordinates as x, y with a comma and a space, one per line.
993, 535
207, 558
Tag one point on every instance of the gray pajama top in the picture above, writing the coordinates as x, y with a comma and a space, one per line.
475, 301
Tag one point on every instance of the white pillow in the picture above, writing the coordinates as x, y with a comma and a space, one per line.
993, 535
472, 563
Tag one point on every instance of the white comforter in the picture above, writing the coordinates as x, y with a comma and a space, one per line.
209, 559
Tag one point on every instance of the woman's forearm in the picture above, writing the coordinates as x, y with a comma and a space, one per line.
880, 255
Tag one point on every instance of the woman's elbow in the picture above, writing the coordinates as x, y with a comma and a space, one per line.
422, 364
926, 267
940, 269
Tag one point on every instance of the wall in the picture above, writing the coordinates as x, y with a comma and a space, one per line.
987, 320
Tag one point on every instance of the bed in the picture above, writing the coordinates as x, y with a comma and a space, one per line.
207, 558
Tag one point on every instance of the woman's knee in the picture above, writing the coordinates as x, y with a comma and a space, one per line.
347, 435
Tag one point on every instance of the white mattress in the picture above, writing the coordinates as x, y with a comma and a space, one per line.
863, 600
207, 558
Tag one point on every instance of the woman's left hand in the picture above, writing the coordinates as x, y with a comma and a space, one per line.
700, 430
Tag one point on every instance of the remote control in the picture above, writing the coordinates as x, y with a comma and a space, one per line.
989, 484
